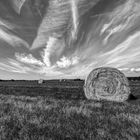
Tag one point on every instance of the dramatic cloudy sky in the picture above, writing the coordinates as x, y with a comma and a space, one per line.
68, 38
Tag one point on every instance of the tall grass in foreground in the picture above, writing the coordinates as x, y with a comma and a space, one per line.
39, 118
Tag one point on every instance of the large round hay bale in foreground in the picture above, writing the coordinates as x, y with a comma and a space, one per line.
107, 83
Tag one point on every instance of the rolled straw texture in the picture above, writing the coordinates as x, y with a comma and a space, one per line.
106, 83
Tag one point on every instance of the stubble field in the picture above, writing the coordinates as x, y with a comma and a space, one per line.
59, 111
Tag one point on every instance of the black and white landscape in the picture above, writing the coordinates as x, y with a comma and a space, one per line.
47, 50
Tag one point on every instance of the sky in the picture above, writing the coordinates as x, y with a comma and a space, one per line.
55, 39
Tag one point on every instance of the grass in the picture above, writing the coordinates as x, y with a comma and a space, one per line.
39, 118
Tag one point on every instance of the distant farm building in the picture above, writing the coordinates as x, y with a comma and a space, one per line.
40, 81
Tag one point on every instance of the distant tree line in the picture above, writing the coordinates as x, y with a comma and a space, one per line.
42, 80
133, 78
61, 80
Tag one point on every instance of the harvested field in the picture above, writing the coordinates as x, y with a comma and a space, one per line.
41, 118
55, 116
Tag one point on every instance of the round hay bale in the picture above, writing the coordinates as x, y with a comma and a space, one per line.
107, 83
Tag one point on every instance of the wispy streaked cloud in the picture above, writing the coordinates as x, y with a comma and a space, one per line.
62, 17
124, 53
54, 20
13, 68
75, 17
6, 24
17, 5
48, 51
122, 18
12, 39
